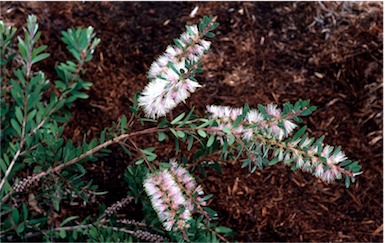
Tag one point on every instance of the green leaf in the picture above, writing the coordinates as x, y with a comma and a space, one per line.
262, 109
31, 115
178, 118
80, 168
245, 163
237, 121
274, 161
16, 126
40, 58
25, 211
231, 140
139, 162
207, 197
173, 132
308, 111
151, 157
15, 216
62, 234
214, 26
201, 26
180, 134
23, 49
222, 229
319, 141
336, 151
20, 228
210, 34
148, 151
190, 143
299, 133
345, 163
75, 235
161, 136
210, 141
227, 130
202, 133
38, 50
172, 66
19, 114
347, 181
123, 123
68, 220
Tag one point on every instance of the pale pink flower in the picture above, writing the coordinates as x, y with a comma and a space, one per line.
326, 151
306, 143
159, 98
206, 44
273, 110
319, 171
299, 162
287, 158
289, 126
254, 116
248, 134
307, 167
280, 155
153, 99
338, 158
166, 198
276, 131
328, 176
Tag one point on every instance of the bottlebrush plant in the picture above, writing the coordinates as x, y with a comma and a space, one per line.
40, 169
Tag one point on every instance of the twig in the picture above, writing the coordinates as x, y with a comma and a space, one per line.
140, 152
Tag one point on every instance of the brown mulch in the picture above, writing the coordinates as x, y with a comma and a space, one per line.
264, 52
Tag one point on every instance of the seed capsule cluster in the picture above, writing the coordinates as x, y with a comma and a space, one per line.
148, 237
26, 183
117, 206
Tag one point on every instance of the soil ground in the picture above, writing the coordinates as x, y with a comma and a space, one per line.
264, 52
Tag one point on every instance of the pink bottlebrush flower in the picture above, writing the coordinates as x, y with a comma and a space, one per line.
155, 69
172, 51
307, 167
159, 98
254, 116
273, 110
276, 131
194, 29
248, 134
338, 158
188, 185
227, 115
328, 176
299, 161
326, 151
287, 158
319, 171
166, 198
205, 44
306, 143
199, 190
183, 177
171, 76
280, 155
153, 99
234, 113
171, 192
289, 126
313, 150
